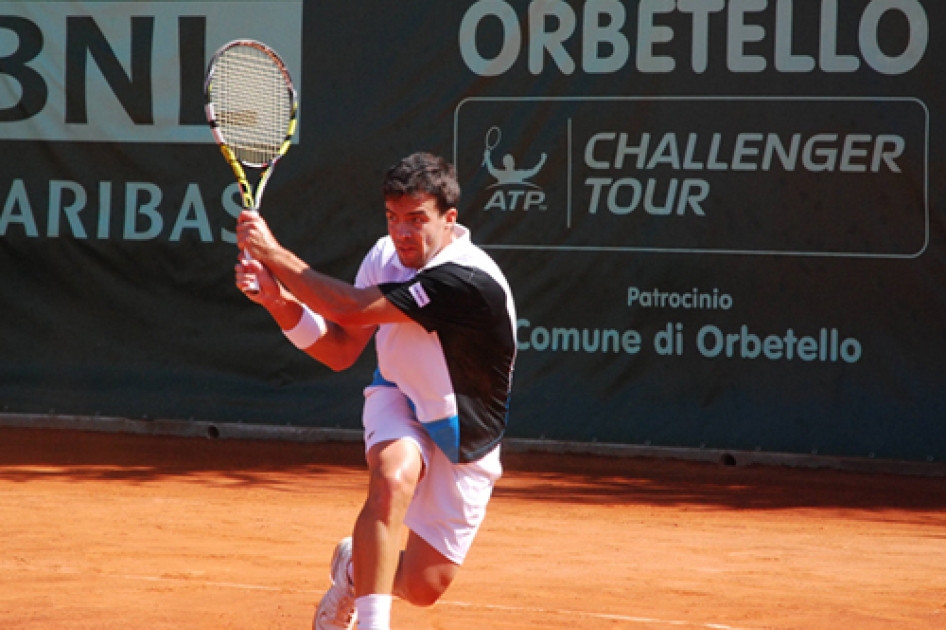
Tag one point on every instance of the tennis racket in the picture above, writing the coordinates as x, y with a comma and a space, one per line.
251, 108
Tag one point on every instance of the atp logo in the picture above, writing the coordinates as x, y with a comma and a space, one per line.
512, 189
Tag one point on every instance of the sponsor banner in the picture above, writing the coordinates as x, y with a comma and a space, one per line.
699, 174
723, 221
125, 71
609, 37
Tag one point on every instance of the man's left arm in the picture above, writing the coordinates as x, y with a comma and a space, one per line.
335, 300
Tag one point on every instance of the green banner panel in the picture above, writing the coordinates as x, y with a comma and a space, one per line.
723, 220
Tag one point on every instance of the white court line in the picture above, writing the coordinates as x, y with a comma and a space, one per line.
277, 589
594, 615
184, 580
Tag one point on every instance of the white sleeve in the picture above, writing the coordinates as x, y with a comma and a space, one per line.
369, 272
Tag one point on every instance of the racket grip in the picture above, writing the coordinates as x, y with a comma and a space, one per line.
253, 289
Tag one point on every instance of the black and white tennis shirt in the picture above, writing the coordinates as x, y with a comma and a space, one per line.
454, 361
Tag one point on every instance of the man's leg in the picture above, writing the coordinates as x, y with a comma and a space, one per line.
394, 469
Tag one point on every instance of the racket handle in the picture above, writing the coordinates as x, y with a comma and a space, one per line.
253, 289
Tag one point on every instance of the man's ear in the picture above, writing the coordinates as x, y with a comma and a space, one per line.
450, 216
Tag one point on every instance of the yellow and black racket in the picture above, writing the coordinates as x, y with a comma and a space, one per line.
251, 108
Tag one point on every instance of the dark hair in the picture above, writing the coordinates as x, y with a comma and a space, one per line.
421, 173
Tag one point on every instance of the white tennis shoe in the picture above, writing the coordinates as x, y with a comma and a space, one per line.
336, 611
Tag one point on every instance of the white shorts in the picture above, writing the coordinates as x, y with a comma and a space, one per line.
449, 503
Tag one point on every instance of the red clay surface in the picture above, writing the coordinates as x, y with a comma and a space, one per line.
105, 531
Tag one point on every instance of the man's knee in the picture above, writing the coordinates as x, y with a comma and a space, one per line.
395, 469
424, 589
424, 574
389, 494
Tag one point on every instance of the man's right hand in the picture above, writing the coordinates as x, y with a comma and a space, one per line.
255, 237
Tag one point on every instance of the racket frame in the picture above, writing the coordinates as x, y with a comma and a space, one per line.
250, 200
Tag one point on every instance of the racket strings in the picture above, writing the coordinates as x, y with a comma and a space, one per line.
252, 103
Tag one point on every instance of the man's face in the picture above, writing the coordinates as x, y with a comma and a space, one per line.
418, 230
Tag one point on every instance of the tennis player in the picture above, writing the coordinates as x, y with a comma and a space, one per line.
444, 321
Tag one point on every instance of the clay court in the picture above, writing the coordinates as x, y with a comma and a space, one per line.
118, 531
